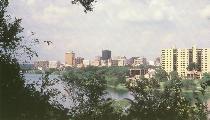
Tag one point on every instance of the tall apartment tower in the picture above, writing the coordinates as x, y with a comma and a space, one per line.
179, 59
106, 54
167, 60
70, 59
205, 55
182, 61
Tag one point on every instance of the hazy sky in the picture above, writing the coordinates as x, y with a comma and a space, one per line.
126, 27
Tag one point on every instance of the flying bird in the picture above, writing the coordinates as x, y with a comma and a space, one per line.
48, 42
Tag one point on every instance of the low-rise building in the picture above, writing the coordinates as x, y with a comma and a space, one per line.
96, 63
115, 62
150, 74
150, 62
41, 65
104, 63
86, 63
138, 72
54, 64
140, 61
79, 60
122, 61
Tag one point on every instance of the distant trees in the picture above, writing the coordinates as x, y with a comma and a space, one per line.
206, 78
161, 75
116, 75
152, 103
88, 88
189, 84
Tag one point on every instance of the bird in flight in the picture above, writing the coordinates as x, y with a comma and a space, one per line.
48, 42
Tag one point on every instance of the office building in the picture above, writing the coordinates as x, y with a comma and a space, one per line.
131, 60
106, 54
70, 59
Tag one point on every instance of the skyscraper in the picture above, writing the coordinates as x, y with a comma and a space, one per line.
106, 54
70, 59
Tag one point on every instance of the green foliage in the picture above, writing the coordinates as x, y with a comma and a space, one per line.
17, 100
161, 75
193, 66
87, 4
20, 102
206, 78
88, 87
114, 76
188, 84
151, 103
174, 75
120, 106
145, 66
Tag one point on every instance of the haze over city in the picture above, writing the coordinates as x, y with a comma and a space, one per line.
126, 27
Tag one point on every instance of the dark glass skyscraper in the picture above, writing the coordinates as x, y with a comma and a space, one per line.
106, 54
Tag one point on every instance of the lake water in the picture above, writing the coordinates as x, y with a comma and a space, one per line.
114, 94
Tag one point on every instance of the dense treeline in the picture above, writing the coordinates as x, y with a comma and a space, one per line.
150, 101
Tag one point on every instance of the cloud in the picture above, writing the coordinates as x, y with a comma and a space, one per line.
206, 12
139, 10
29, 2
52, 14
127, 27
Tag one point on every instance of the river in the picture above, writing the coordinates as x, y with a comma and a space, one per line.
112, 93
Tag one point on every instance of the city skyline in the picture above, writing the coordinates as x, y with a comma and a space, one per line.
127, 28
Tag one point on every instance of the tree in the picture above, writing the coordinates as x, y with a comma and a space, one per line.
151, 103
87, 4
161, 75
17, 100
174, 75
206, 78
189, 84
87, 88
193, 66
